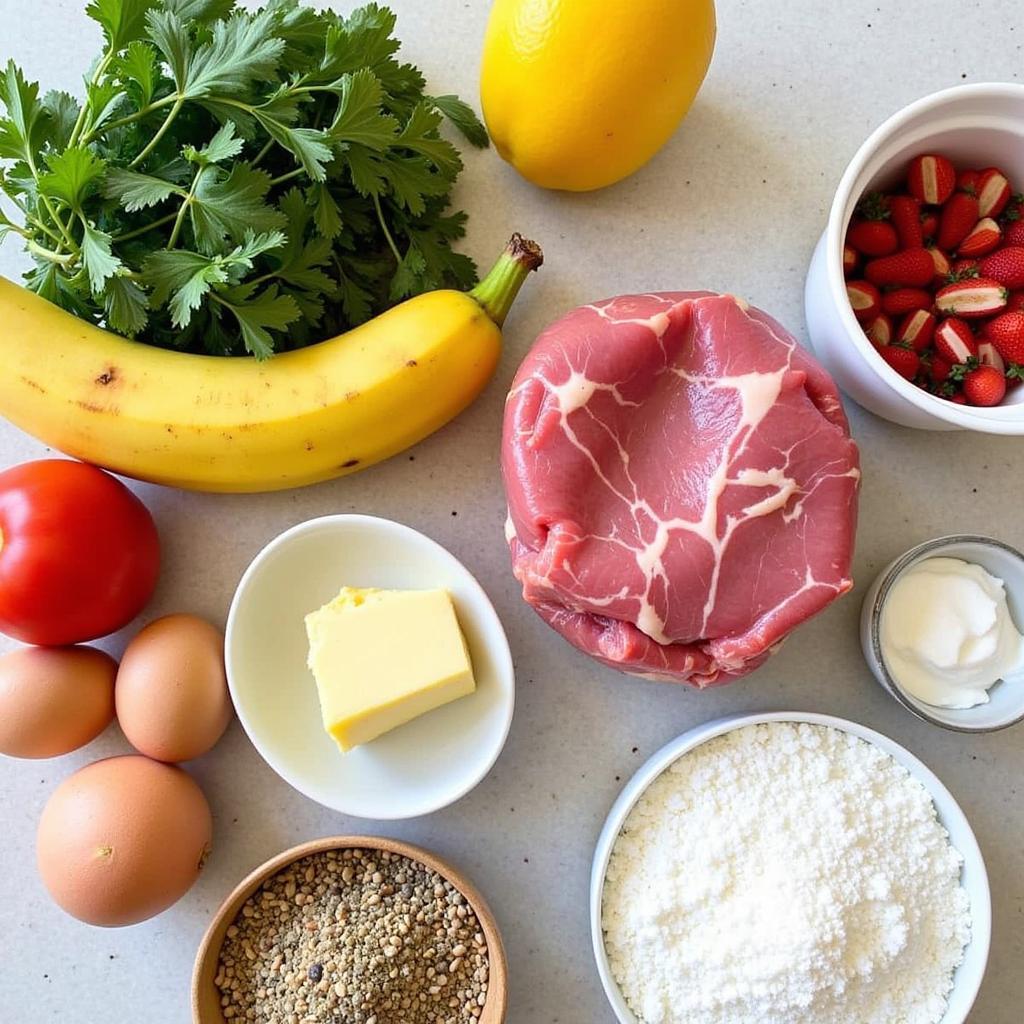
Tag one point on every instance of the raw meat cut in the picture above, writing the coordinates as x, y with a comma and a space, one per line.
681, 483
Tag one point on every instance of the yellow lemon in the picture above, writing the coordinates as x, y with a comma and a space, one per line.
579, 94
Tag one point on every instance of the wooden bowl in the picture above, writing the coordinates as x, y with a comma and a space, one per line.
206, 1007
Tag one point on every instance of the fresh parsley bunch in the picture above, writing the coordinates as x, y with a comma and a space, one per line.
235, 181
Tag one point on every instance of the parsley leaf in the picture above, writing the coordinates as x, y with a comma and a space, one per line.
137, 72
172, 38
409, 275
257, 316
464, 118
420, 134
123, 21
135, 191
23, 131
126, 306
223, 146
73, 174
227, 208
326, 213
359, 118
63, 111
242, 49
363, 40
103, 99
306, 144
181, 279
201, 12
97, 256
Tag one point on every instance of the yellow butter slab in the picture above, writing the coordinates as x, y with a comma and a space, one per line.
384, 657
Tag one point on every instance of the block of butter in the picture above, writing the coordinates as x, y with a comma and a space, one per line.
384, 657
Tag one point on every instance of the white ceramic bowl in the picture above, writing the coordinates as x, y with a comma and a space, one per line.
975, 126
974, 877
1006, 698
412, 770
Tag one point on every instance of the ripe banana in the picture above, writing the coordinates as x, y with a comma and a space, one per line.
234, 424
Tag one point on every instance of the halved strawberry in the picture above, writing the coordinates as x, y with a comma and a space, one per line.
982, 238
849, 260
905, 214
972, 299
911, 268
967, 181
942, 266
958, 216
954, 341
931, 179
1006, 332
984, 386
865, 300
880, 331
1006, 266
873, 237
906, 300
988, 355
906, 362
993, 192
916, 330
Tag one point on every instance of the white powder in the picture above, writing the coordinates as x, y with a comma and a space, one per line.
785, 874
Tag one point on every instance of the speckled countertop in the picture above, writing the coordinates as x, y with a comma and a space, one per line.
735, 202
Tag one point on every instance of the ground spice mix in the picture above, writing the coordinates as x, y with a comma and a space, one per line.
354, 937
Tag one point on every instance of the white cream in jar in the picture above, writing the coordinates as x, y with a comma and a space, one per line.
947, 635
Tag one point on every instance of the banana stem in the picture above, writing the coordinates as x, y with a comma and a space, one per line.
498, 290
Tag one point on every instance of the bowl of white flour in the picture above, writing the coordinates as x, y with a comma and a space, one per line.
788, 868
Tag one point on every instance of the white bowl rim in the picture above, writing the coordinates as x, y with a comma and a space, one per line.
886, 580
945, 803
502, 654
997, 419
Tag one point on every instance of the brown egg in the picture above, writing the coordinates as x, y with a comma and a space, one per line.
122, 840
54, 699
172, 696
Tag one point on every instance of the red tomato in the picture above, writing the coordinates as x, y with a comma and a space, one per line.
79, 553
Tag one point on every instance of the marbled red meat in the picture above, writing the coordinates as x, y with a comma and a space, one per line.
681, 483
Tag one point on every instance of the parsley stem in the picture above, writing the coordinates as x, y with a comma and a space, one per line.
179, 220
30, 220
298, 172
164, 101
152, 226
179, 102
44, 228
83, 110
384, 228
498, 290
58, 223
263, 152
63, 259
11, 226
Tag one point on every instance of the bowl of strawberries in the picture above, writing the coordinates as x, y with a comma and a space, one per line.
915, 294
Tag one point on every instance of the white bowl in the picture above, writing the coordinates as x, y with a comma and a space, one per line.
412, 770
974, 878
975, 126
1006, 698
